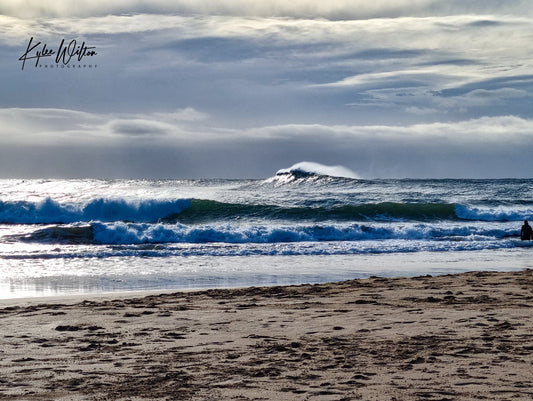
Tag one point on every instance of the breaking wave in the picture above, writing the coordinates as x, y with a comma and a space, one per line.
123, 233
202, 211
198, 211
310, 171
50, 211
500, 213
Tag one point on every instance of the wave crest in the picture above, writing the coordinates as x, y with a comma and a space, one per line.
122, 233
306, 170
50, 211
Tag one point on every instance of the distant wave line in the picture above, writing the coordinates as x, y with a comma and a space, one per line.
198, 211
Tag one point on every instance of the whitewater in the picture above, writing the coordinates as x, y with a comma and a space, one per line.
303, 224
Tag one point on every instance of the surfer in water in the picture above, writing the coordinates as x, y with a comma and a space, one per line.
526, 232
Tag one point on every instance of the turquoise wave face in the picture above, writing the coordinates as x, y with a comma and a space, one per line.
309, 215
202, 211
199, 211
50, 211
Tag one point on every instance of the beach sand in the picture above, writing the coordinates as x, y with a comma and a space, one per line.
455, 337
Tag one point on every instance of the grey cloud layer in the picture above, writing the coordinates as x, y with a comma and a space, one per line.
464, 149
218, 63
335, 9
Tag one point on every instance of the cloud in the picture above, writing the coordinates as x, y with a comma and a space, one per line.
139, 127
45, 117
505, 128
49, 125
125, 146
333, 9
187, 88
397, 79
505, 93
485, 147
155, 124
422, 110
46, 125
63, 8
186, 114
479, 98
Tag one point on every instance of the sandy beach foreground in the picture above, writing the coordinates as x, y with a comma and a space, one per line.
456, 337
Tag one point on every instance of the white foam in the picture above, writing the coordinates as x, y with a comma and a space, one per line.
500, 213
101, 209
142, 233
319, 169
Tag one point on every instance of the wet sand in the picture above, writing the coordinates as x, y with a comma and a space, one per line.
456, 337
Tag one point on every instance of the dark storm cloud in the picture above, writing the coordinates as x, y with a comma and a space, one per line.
139, 128
484, 23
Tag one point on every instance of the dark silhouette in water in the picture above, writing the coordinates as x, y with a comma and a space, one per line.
525, 234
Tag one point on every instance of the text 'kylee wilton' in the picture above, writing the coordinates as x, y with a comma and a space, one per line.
63, 55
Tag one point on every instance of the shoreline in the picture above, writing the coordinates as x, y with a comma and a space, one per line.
457, 337
262, 271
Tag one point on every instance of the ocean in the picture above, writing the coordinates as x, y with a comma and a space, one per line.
60, 237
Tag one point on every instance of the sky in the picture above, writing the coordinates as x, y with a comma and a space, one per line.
243, 88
